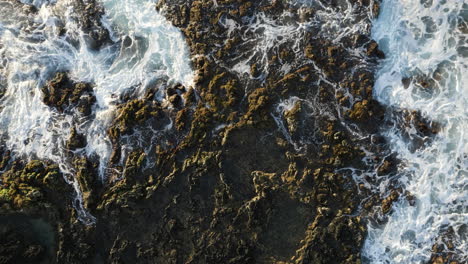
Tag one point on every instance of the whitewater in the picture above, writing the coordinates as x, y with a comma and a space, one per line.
425, 40
144, 48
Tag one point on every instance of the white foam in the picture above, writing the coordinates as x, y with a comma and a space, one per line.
264, 36
422, 37
34, 51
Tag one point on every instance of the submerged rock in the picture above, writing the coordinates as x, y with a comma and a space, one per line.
17, 245
88, 14
445, 251
417, 130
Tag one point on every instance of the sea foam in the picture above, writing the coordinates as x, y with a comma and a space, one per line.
425, 40
33, 51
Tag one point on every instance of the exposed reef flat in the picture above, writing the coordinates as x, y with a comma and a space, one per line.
259, 160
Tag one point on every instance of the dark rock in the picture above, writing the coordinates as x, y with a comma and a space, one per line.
374, 51
417, 129
226, 184
89, 14
76, 140
388, 202
19, 242
445, 251
86, 175
65, 95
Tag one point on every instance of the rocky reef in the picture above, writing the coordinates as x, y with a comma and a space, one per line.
255, 169
63, 94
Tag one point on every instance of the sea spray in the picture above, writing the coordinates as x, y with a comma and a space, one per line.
425, 45
144, 48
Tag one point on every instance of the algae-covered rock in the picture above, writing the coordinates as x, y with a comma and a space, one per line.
88, 15
219, 172
5, 156
64, 94
76, 140
131, 114
388, 202
29, 185
234, 189
86, 175
445, 250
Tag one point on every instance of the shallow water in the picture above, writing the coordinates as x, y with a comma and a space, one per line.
425, 39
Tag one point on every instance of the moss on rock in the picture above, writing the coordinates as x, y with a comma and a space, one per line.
64, 94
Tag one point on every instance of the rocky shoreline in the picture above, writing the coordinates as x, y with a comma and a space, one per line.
255, 169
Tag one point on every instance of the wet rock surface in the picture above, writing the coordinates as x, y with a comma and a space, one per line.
87, 13
65, 95
444, 250
25, 240
252, 171
417, 130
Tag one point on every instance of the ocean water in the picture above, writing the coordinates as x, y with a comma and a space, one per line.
425, 40
145, 48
